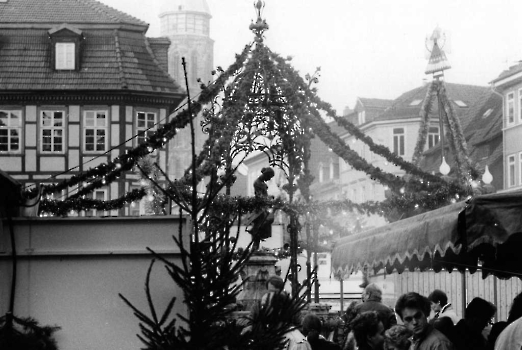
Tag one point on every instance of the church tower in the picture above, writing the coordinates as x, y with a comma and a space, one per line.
187, 24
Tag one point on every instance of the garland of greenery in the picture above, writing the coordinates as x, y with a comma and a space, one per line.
61, 208
385, 152
282, 92
425, 115
456, 136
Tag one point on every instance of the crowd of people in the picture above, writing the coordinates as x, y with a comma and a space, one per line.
416, 322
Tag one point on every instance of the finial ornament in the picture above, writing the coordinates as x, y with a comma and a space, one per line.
260, 26
438, 61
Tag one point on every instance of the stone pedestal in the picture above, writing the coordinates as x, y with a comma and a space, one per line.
256, 272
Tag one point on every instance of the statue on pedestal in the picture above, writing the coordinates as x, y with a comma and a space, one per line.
262, 218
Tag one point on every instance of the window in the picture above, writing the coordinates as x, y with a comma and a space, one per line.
510, 108
65, 58
175, 64
325, 169
52, 131
461, 103
10, 131
398, 141
488, 113
336, 169
520, 168
433, 136
511, 171
194, 66
519, 105
100, 195
65, 42
95, 131
362, 117
145, 125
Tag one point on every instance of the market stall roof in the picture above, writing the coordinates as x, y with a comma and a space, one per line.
483, 233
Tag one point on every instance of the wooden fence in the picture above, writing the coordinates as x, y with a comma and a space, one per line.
460, 288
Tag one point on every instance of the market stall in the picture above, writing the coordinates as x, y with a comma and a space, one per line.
483, 233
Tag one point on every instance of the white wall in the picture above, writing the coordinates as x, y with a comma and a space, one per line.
70, 271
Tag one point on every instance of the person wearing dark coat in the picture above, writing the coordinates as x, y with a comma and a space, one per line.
372, 297
468, 332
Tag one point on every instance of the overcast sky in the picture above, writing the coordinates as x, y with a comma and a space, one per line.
365, 48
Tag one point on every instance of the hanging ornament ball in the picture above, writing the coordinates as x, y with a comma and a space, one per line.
259, 4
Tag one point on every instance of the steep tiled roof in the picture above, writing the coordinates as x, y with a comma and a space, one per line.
110, 60
486, 122
60, 11
402, 107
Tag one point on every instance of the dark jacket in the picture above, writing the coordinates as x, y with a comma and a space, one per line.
386, 315
323, 344
467, 338
433, 340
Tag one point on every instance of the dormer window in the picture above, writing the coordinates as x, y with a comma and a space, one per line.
64, 56
461, 103
65, 41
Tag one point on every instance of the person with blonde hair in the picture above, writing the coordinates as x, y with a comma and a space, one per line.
398, 337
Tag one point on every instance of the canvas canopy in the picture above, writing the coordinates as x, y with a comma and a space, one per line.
483, 233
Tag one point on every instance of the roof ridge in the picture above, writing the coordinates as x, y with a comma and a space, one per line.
101, 8
124, 84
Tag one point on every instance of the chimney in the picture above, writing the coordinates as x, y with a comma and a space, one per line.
160, 49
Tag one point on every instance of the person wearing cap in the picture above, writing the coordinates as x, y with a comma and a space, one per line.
372, 297
275, 283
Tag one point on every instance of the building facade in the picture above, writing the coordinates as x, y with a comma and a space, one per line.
509, 85
80, 84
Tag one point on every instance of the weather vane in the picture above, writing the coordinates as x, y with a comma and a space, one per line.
438, 61
260, 26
